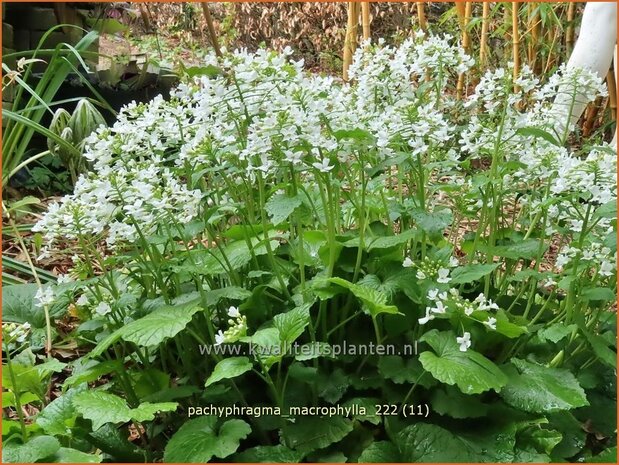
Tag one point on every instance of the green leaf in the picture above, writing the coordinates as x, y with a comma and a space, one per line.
146, 411
211, 262
503, 325
452, 402
269, 454
423, 442
210, 71
229, 368
93, 372
470, 371
113, 441
574, 436
314, 350
163, 323
385, 242
8, 398
333, 385
538, 133
231, 292
198, 440
154, 328
470, 273
292, 323
58, 417
607, 210
374, 301
68, 455
398, 370
13, 265
433, 223
18, 306
600, 347
280, 207
356, 134
380, 452
527, 249
35, 450
506, 327
311, 433
539, 389
367, 403
101, 407
599, 293
542, 440
556, 332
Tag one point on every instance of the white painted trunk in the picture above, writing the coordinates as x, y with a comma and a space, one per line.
593, 50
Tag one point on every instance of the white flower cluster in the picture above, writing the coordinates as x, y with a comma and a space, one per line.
430, 269
260, 116
258, 113
15, 332
237, 327
442, 302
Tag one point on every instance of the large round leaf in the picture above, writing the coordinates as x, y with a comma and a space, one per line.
470, 371
536, 388
199, 440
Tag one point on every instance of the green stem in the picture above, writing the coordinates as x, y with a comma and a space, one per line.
16, 394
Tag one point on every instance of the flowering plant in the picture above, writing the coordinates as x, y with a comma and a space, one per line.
261, 206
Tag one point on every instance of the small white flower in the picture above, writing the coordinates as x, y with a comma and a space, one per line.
433, 294
440, 308
420, 275
219, 337
64, 278
103, 308
562, 260
491, 306
323, 166
428, 317
453, 262
82, 301
443, 275
607, 268
407, 263
233, 312
549, 283
491, 323
464, 341
44, 296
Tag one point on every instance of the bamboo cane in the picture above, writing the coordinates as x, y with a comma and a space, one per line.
461, 10
421, 14
211, 29
515, 40
365, 19
535, 27
569, 32
612, 94
483, 46
466, 37
350, 42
